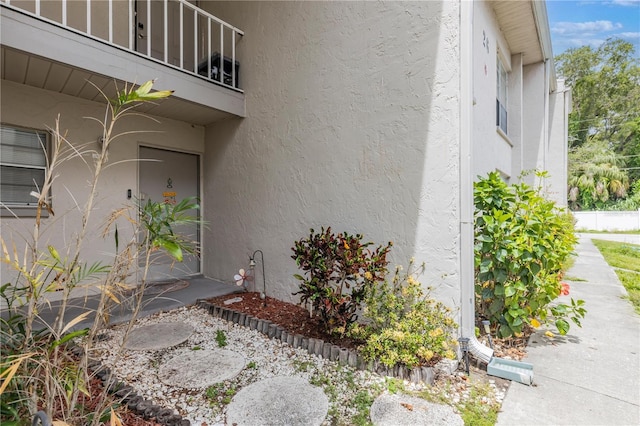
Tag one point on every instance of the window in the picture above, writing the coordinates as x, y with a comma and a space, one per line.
501, 101
22, 168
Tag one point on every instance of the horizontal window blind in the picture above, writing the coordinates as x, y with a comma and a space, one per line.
22, 165
22, 147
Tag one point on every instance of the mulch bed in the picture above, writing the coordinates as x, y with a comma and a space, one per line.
296, 320
96, 395
293, 318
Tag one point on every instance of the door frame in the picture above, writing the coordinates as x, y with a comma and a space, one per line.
199, 155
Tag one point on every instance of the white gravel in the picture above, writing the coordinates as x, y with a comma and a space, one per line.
264, 357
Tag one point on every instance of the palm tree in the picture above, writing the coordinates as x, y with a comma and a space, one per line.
595, 177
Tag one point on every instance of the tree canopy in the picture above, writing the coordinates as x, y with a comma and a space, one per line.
604, 127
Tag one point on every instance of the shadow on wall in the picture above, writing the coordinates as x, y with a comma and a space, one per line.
352, 119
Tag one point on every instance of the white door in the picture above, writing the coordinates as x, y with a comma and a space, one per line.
171, 176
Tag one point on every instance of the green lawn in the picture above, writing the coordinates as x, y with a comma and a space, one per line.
627, 257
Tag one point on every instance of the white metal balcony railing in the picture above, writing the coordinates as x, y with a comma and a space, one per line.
172, 32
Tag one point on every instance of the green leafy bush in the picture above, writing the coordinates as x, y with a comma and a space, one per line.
521, 243
338, 270
404, 325
632, 202
159, 220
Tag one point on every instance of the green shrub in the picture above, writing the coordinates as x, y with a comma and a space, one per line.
338, 270
632, 202
404, 325
521, 242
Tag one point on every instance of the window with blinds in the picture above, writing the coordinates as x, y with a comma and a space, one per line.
22, 165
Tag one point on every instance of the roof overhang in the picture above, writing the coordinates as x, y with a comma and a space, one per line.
525, 25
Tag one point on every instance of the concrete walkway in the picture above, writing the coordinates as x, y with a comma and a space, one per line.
153, 301
592, 375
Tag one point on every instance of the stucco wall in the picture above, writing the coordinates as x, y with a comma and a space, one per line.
34, 108
352, 122
534, 120
491, 150
556, 184
516, 119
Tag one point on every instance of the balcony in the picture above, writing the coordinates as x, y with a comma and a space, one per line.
61, 45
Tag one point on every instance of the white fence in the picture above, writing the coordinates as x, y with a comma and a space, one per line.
608, 220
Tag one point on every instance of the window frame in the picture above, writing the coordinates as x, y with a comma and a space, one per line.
502, 86
14, 209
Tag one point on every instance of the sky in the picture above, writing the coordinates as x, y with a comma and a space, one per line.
591, 22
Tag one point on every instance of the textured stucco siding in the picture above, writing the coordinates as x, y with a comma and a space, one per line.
34, 108
535, 150
491, 150
516, 119
352, 122
557, 161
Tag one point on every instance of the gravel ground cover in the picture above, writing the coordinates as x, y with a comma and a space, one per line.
350, 391
264, 357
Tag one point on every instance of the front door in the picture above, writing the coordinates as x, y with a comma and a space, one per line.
169, 177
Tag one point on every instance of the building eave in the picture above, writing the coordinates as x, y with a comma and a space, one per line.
518, 20
544, 35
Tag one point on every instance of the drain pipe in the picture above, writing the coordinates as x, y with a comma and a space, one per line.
467, 291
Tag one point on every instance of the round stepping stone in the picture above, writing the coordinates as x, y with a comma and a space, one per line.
278, 401
396, 409
158, 336
201, 369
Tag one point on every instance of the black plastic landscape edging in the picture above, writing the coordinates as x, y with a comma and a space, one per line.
318, 346
127, 396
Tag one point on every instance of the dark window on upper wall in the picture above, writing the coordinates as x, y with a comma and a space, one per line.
501, 101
